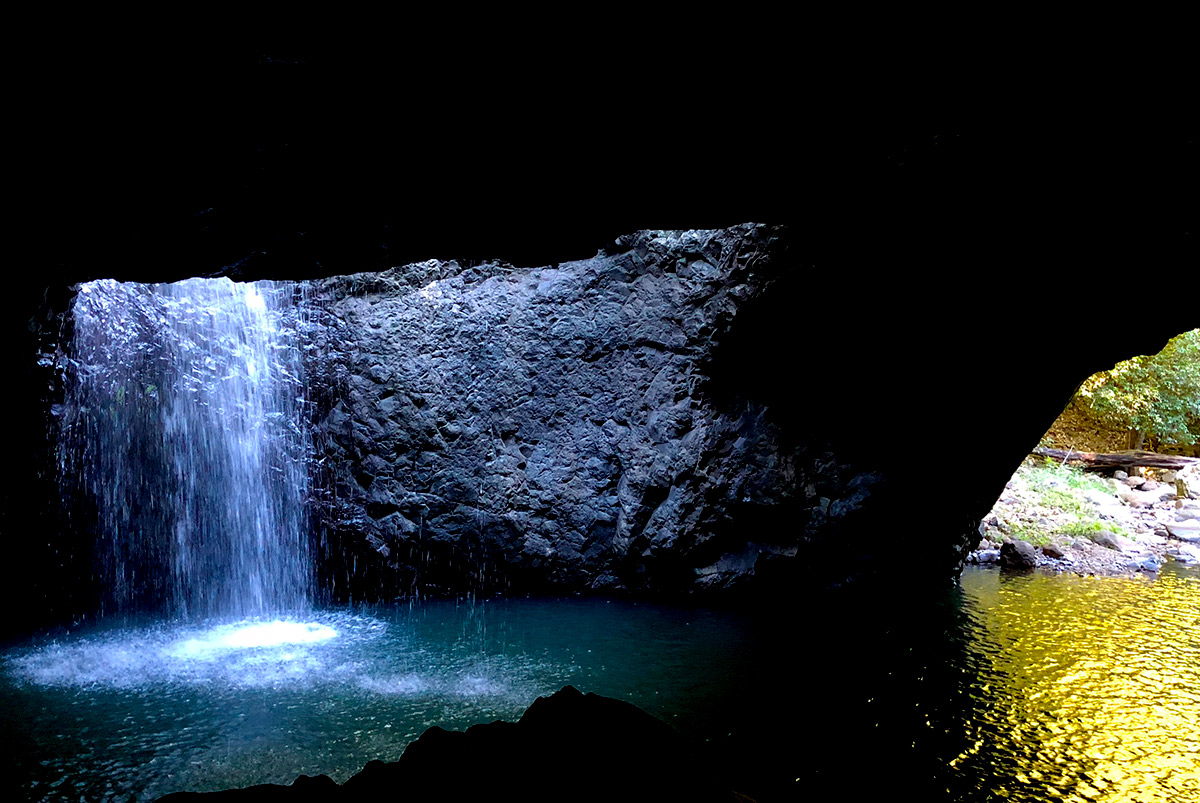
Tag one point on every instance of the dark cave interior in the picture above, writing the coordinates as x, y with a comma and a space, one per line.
952, 262
935, 254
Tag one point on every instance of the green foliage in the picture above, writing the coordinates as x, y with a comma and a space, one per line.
1087, 527
1062, 500
1158, 395
1029, 532
1060, 489
1052, 475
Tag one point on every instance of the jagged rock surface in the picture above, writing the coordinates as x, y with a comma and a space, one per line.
551, 426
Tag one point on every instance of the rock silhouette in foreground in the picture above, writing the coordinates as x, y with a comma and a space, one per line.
568, 746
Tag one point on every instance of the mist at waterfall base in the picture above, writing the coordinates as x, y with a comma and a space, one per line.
185, 448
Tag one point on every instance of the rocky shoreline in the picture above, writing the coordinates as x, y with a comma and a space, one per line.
1062, 520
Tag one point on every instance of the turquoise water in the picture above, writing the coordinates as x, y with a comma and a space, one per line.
1007, 688
144, 712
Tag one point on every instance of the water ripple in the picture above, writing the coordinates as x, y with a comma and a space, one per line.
1092, 688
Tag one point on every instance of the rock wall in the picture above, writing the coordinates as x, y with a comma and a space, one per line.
751, 407
493, 427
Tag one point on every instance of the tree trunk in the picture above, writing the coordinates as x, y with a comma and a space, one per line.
1129, 459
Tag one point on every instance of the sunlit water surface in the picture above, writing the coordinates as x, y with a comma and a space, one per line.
1011, 688
1086, 688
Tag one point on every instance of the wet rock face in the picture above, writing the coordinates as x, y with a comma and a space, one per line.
552, 426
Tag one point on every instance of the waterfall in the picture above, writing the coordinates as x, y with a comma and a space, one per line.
184, 445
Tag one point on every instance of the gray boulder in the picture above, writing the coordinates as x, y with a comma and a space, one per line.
1184, 553
985, 556
1147, 563
1053, 551
1106, 538
1184, 532
1018, 556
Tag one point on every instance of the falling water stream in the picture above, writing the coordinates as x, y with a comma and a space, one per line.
184, 432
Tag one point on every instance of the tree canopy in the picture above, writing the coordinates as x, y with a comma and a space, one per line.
1156, 395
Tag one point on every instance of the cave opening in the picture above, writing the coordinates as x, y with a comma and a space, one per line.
1089, 556
1109, 489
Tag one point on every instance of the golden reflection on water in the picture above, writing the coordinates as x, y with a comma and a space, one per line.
1089, 688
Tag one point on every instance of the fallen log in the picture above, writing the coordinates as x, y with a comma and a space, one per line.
1127, 459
